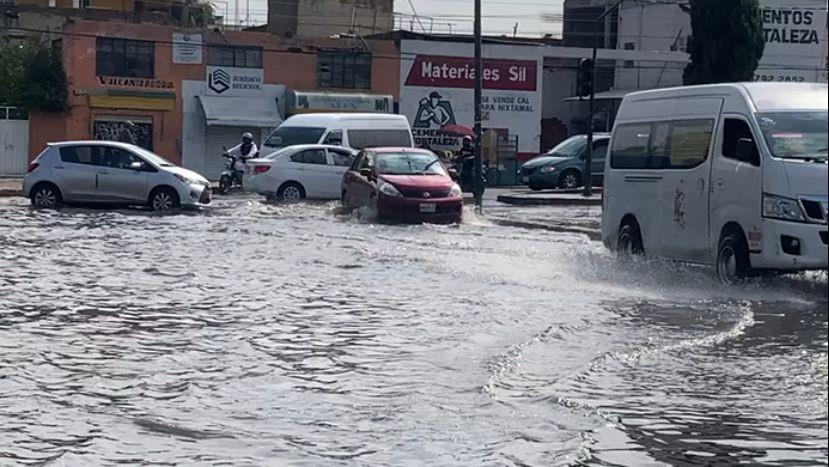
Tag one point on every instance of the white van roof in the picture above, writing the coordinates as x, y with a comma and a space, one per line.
764, 96
350, 119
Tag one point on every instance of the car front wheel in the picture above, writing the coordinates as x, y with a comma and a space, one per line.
569, 180
164, 199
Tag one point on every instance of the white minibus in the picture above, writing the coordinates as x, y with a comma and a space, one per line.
732, 175
351, 130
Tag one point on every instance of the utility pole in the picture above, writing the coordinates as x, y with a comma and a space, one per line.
588, 175
479, 72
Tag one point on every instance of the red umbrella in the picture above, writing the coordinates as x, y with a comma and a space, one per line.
457, 130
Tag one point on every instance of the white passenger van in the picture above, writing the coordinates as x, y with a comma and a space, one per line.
351, 130
733, 175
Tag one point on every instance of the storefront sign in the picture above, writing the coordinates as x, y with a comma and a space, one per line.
437, 90
787, 75
137, 83
459, 72
231, 81
795, 39
305, 102
187, 48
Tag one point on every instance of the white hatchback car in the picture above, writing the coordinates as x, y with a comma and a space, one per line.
297, 172
111, 173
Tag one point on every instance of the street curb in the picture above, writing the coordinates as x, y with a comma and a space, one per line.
10, 193
590, 233
541, 200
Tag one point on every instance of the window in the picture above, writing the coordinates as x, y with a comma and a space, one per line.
242, 57
733, 130
285, 136
680, 144
341, 70
341, 158
630, 46
124, 57
796, 135
600, 150
118, 158
81, 155
690, 140
310, 156
630, 146
334, 138
409, 163
361, 139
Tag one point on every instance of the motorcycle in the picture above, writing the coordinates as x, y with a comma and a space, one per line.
466, 168
231, 179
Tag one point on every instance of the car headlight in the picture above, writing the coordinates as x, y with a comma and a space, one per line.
455, 191
548, 169
778, 207
388, 189
186, 180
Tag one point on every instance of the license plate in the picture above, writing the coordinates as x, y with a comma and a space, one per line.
526, 179
428, 207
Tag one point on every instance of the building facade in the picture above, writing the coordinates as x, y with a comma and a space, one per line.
191, 92
323, 18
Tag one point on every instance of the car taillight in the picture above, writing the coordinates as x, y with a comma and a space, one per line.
260, 169
33, 166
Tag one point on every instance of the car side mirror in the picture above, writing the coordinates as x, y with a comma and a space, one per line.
747, 151
453, 173
137, 165
365, 173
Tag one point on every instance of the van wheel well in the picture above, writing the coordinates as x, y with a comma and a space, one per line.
732, 228
629, 240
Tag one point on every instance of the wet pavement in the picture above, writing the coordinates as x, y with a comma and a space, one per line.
255, 334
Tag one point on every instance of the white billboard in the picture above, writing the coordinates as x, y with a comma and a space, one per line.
795, 35
436, 91
233, 81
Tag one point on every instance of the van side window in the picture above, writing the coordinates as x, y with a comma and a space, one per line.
630, 146
334, 138
658, 145
733, 130
690, 140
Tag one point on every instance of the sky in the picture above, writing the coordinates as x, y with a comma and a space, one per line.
534, 17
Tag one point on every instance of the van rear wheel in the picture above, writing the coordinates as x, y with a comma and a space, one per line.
733, 264
630, 240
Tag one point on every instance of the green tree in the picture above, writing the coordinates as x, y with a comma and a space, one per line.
726, 41
33, 76
45, 82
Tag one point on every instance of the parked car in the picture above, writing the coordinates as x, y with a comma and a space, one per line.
730, 175
111, 173
404, 184
306, 171
563, 166
351, 130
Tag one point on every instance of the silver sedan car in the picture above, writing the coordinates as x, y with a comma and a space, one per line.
112, 173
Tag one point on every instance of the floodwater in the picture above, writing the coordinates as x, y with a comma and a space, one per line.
251, 334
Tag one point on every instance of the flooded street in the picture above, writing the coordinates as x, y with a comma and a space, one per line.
250, 334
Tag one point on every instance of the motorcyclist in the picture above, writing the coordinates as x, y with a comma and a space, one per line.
243, 152
465, 160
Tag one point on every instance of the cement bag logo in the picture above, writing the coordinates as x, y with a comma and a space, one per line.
219, 81
434, 112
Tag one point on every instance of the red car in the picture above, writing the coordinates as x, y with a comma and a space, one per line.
404, 184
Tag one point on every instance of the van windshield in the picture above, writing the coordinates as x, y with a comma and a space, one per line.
285, 136
796, 135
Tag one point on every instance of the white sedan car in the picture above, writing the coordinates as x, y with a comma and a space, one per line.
310, 171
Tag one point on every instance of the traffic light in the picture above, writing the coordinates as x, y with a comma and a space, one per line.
584, 78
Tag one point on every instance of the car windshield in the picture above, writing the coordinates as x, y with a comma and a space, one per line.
570, 147
285, 136
153, 157
796, 135
409, 163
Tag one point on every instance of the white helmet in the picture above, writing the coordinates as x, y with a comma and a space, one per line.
247, 135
